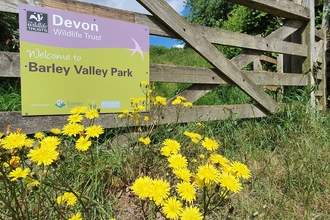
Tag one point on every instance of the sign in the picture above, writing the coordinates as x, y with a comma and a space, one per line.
70, 59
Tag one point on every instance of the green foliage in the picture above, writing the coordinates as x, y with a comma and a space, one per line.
212, 13
10, 95
9, 32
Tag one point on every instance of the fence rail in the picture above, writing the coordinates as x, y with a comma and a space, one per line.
166, 22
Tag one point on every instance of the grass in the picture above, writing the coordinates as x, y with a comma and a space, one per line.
287, 153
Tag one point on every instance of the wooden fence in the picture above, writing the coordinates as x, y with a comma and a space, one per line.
300, 47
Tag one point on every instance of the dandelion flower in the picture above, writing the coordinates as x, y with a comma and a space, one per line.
177, 161
19, 173
144, 83
176, 102
172, 208
146, 118
68, 197
55, 131
13, 140
183, 174
187, 104
28, 142
186, 191
145, 141
217, 158
170, 147
77, 216
141, 187
39, 135
195, 137
43, 155
50, 141
230, 182
241, 170
83, 143
92, 113
78, 110
94, 130
208, 173
160, 100
159, 190
32, 182
210, 144
72, 129
75, 118
191, 213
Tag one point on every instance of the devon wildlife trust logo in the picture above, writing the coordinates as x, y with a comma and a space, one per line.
37, 21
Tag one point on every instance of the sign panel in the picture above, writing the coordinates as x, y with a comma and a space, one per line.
70, 59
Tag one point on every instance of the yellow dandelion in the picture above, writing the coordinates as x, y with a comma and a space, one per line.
172, 208
39, 135
230, 182
177, 161
186, 191
241, 170
159, 100
50, 141
171, 146
67, 198
165, 151
18, 173
94, 131
145, 141
78, 110
191, 213
55, 131
208, 173
72, 129
43, 155
146, 118
210, 144
176, 102
141, 187
187, 104
92, 113
77, 216
75, 118
28, 142
195, 137
159, 190
13, 140
32, 182
218, 159
83, 143
183, 174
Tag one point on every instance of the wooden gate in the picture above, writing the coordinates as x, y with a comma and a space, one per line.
300, 48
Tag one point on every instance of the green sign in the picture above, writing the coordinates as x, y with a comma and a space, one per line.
70, 59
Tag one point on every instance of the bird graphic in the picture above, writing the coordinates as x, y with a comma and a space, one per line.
136, 49
37, 18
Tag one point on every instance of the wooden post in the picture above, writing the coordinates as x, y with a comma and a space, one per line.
308, 38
